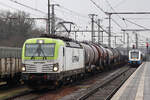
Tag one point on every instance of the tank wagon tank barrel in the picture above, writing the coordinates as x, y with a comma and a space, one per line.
96, 55
100, 54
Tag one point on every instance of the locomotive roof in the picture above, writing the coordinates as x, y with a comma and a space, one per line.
46, 40
134, 50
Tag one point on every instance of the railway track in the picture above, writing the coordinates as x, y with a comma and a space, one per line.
103, 88
100, 81
30, 95
106, 89
44, 94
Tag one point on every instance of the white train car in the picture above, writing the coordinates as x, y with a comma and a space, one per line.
135, 57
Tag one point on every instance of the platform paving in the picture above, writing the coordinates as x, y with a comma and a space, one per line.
137, 87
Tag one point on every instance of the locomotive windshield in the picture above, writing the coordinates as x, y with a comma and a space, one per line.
39, 50
135, 55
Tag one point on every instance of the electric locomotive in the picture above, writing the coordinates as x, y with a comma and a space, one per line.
50, 61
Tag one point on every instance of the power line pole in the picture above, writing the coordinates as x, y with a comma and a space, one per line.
48, 16
136, 35
53, 18
115, 40
109, 31
92, 27
102, 37
124, 36
128, 42
99, 33
75, 35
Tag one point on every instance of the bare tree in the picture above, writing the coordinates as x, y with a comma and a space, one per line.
16, 27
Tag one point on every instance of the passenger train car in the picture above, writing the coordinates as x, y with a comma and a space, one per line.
53, 61
135, 57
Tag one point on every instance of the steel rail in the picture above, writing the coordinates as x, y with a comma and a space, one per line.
95, 89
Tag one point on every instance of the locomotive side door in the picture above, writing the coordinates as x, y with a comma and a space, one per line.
62, 58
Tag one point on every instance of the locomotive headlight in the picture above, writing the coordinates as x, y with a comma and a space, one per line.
56, 67
40, 41
23, 69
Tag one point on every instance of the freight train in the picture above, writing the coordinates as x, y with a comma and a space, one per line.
136, 57
10, 65
49, 61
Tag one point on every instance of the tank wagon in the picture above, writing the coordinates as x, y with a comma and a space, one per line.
10, 65
52, 60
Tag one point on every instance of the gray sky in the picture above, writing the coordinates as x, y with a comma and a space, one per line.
81, 9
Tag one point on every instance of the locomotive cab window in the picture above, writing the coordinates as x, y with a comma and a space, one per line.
135, 55
39, 50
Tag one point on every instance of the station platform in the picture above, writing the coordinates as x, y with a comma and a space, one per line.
137, 87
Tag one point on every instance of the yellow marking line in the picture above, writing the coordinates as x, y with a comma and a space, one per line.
124, 86
140, 92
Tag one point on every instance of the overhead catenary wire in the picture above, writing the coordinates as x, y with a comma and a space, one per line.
64, 14
8, 6
112, 8
134, 23
74, 12
5, 5
71, 11
31, 8
139, 18
106, 13
125, 23
28, 7
101, 27
78, 16
119, 3
98, 6
115, 11
117, 23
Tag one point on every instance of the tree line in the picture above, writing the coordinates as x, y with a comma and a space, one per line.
16, 27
